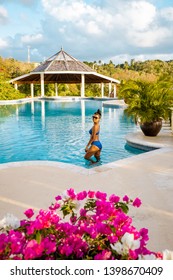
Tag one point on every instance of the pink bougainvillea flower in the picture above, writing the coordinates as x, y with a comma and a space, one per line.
160, 255
4, 239
91, 194
97, 228
29, 213
114, 198
100, 195
17, 241
49, 245
137, 202
24, 223
104, 255
54, 206
144, 234
58, 197
73, 219
33, 250
71, 193
126, 199
81, 195
83, 212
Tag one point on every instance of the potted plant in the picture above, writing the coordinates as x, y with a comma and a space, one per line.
148, 103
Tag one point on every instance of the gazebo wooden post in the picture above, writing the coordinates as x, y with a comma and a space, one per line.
16, 86
56, 89
102, 89
82, 91
115, 90
42, 84
32, 90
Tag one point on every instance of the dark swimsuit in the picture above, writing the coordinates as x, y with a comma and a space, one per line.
96, 143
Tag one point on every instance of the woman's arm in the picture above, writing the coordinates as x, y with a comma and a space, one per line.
92, 138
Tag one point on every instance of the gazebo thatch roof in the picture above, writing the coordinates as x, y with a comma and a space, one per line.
63, 68
62, 61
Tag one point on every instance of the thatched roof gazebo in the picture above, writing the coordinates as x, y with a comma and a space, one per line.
63, 68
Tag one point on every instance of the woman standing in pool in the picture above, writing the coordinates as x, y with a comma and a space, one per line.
94, 146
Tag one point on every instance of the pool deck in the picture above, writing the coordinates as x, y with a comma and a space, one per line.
148, 176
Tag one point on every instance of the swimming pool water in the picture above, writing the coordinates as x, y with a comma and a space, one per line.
58, 131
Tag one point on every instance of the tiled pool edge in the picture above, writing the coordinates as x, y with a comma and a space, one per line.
58, 98
89, 171
58, 164
16, 101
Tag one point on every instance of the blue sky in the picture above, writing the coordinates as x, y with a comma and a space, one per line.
117, 30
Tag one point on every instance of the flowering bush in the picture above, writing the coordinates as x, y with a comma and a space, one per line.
97, 227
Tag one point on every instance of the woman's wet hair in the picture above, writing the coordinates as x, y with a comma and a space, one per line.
98, 113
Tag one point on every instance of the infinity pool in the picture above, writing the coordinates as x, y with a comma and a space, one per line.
58, 131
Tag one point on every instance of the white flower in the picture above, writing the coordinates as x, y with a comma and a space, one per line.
9, 221
167, 255
118, 247
77, 204
65, 195
127, 243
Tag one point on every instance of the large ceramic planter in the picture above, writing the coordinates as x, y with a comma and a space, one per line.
152, 128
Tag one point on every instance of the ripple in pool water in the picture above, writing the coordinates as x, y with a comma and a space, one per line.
58, 131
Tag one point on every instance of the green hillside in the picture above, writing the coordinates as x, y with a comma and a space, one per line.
150, 70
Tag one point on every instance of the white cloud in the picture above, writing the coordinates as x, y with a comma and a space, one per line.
91, 19
35, 52
99, 30
93, 30
3, 15
70, 11
37, 38
136, 15
118, 59
3, 44
139, 25
135, 21
167, 13
149, 38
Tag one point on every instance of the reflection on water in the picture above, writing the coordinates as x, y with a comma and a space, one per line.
7, 110
83, 113
58, 131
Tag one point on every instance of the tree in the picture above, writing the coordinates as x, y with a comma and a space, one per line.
7, 91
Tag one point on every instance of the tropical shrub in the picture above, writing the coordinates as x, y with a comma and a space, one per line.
87, 225
7, 91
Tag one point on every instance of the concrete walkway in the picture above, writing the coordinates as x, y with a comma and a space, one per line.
148, 176
163, 140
